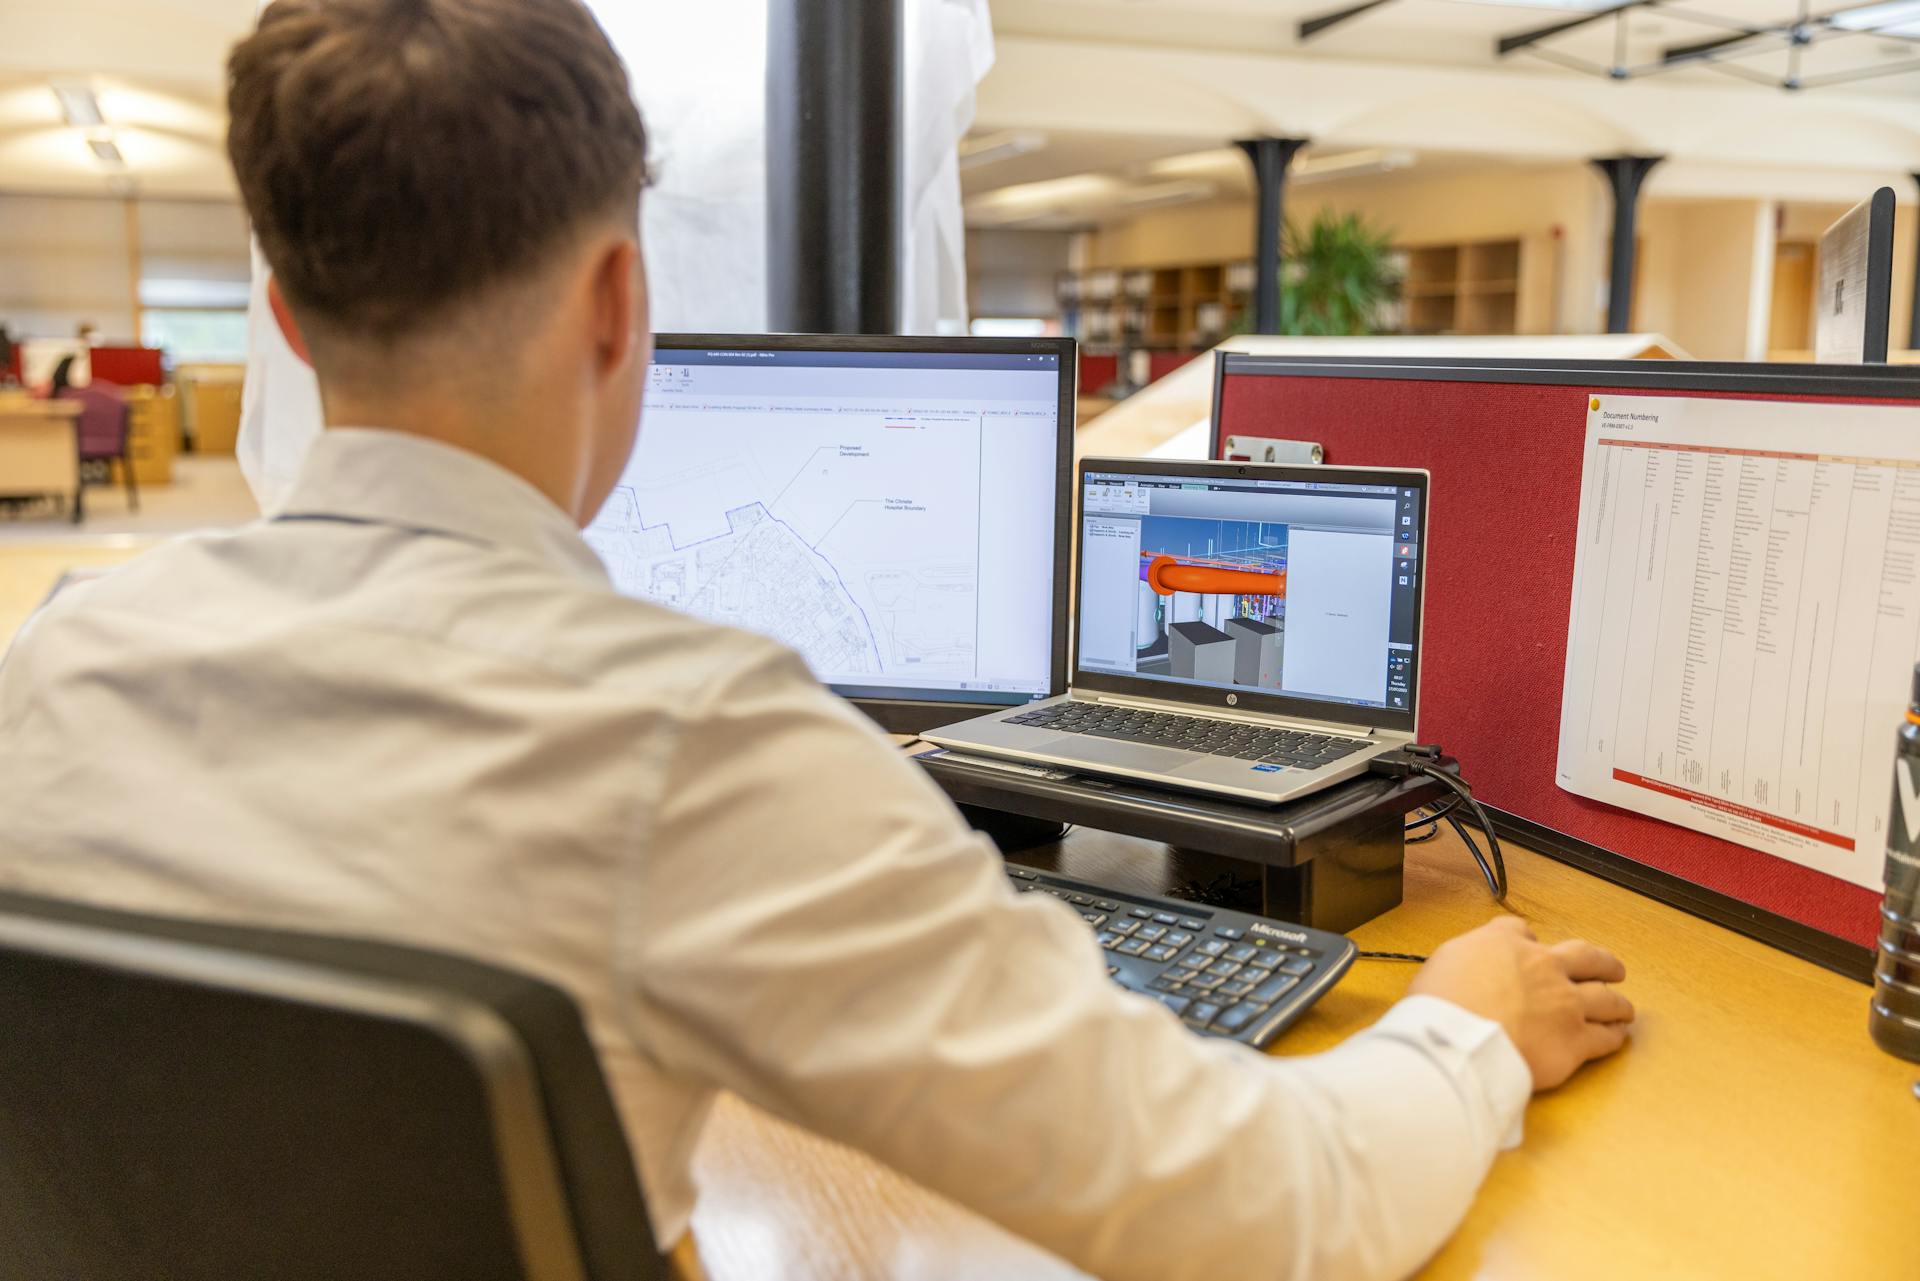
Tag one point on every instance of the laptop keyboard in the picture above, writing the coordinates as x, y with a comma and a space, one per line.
1237, 739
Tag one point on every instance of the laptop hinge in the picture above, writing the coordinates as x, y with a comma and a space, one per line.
1234, 714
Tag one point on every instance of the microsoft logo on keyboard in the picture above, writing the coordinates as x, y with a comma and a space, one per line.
1290, 936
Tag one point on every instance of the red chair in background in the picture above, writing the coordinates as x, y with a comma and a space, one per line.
104, 428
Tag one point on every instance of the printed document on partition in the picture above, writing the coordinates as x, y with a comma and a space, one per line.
1746, 617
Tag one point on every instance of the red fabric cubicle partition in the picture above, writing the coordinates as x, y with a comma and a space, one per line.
1504, 443
127, 366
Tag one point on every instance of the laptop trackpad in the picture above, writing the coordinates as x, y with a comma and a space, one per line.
1107, 751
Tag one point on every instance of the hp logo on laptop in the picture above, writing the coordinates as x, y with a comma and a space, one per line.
1233, 700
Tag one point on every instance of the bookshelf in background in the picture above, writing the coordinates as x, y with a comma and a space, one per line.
1185, 307
1467, 287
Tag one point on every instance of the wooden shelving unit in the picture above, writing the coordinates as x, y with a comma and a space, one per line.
1184, 307
1472, 287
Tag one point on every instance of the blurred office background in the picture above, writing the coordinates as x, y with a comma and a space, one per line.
1446, 169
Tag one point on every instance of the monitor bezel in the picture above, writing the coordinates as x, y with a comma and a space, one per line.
1242, 700
905, 714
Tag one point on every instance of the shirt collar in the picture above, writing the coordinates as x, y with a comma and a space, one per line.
409, 482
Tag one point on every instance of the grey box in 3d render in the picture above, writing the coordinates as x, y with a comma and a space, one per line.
1257, 647
1201, 652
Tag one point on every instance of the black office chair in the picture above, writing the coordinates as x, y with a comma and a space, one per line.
184, 1101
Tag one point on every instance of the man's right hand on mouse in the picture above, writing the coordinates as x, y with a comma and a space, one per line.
1554, 1001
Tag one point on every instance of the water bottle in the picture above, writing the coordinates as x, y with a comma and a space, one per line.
1895, 1019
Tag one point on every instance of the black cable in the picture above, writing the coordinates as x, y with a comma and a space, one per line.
1431, 821
1415, 957
1420, 758
1497, 874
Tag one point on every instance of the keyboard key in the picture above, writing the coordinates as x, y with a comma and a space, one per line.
1166, 918
1178, 1004
1226, 969
1124, 926
1106, 905
1164, 984
1266, 956
1296, 965
1214, 947
1179, 974
1107, 938
1235, 989
1232, 1020
1202, 1013
1022, 873
1196, 960
1160, 952
1095, 919
1243, 952
1080, 900
1132, 947
1254, 974
1192, 923
1275, 987
1205, 982
1228, 932
1141, 914
1151, 933
1178, 938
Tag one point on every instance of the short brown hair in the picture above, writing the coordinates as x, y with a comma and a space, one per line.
399, 156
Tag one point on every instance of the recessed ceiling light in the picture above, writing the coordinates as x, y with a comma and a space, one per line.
79, 105
105, 151
978, 151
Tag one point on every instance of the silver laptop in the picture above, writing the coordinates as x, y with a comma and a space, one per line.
1244, 630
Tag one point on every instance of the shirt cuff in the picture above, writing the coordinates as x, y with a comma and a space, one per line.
1476, 1052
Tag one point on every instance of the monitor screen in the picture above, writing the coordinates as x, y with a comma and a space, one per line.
1308, 589
893, 515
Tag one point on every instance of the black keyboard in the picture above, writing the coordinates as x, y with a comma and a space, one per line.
1270, 746
1224, 973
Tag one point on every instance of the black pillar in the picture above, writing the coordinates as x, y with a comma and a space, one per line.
1913, 304
1624, 175
1270, 157
833, 166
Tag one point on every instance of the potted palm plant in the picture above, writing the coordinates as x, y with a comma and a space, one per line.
1341, 277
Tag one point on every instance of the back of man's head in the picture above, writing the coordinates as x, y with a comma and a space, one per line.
401, 158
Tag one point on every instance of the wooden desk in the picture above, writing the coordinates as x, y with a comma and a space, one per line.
39, 446
1750, 1130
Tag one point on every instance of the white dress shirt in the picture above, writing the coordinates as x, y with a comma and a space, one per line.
411, 707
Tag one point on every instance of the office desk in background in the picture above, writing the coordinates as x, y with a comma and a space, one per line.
1749, 1130
39, 446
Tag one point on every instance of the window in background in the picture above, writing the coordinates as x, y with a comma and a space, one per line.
1011, 327
192, 336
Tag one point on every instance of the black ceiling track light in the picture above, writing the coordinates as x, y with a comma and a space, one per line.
1723, 52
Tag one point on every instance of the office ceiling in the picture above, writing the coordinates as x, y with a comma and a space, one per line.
1094, 102
1639, 36
155, 68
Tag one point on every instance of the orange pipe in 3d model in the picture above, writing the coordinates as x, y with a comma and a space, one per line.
1166, 576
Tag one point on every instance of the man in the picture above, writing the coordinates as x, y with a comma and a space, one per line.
408, 705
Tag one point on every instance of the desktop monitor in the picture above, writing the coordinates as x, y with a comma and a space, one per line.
1854, 296
895, 509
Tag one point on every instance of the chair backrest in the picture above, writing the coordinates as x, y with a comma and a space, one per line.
187, 1100
104, 417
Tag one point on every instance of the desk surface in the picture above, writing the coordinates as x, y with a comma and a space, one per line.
1749, 1130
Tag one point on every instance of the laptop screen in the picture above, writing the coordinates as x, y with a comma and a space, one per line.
1307, 589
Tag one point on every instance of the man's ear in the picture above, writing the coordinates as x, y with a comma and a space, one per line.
283, 316
614, 283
